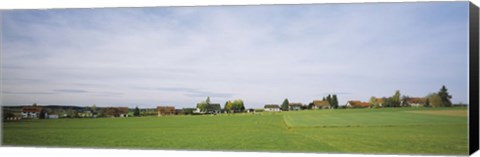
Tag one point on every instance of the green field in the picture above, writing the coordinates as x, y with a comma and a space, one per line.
373, 131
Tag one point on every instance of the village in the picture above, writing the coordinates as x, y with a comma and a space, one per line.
206, 107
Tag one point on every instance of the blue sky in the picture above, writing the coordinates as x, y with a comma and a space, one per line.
262, 54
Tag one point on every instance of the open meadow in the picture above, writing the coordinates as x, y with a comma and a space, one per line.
377, 131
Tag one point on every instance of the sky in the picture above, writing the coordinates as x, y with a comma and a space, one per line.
178, 56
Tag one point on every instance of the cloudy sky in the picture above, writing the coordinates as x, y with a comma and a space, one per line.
262, 54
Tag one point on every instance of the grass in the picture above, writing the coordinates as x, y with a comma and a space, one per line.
378, 131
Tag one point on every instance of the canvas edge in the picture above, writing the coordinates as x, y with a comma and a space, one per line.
474, 79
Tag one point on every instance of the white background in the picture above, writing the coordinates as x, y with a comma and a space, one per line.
81, 152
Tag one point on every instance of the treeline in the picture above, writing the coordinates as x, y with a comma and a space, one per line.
438, 99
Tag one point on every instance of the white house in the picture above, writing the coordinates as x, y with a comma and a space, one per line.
416, 102
295, 106
30, 112
272, 108
53, 116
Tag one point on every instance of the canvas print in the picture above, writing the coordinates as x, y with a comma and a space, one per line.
370, 78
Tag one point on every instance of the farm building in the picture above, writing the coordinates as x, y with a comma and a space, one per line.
188, 110
320, 104
12, 116
52, 116
295, 106
211, 108
214, 108
357, 104
376, 102
272, 108
380, 101
165, 110
85, 114
179, 112
415, 102
116, 111
31, 112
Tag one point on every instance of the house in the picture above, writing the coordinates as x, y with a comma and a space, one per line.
415, 101
179, 112
213, 108
272, 108
357, 104
321, 104
12, 116
295, 106
379, 101
250, 110
188, 110
165, 110
123, 111
31, 112
116, 111
52, 116
85, 114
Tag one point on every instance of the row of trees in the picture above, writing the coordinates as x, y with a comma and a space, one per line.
230, 106
203, 104
332, 100
393, 101
234, 106
438, 99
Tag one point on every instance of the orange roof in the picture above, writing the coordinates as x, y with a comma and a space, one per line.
356, 103
31, 109
319, 103
295, 104
380, 100
122, 110
164, 108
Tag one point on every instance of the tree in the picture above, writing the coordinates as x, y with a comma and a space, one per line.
86, 108
387, 102
43, 114
445, 97
228, 106
329, 99
310, 105
434, 100
335, 101
427, 103
203, 104
71, 113
94, 108
373, 101
208, 100
136, 112
396, 99
404, 102
34, 105
285, 105
238, 106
